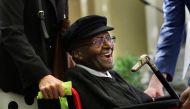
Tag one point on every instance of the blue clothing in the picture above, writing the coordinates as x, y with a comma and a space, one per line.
171, 36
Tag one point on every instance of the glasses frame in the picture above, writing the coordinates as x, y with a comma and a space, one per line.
99, 41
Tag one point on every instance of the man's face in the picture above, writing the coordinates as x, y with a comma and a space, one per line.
97, 53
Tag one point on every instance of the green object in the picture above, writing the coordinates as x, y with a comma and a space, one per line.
67, 87
123, 66
63, 100
63, 103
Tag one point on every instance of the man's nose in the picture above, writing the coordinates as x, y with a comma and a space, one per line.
108, 44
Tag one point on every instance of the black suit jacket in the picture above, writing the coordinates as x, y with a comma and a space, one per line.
22, 61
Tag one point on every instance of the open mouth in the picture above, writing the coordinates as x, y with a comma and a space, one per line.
108, 55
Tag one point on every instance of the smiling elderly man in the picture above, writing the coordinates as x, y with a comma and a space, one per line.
91, 47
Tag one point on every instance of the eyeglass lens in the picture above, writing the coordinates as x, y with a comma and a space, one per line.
99, 41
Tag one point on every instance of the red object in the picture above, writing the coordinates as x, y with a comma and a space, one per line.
76, 99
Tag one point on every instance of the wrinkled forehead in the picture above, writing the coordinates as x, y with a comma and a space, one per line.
97, 36
102, 34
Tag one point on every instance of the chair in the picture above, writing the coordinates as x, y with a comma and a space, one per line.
62, 102
165, 102
76, 98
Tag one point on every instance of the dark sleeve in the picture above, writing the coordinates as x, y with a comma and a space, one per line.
92, 97
172, 33
138, 93
143, 96
14, 41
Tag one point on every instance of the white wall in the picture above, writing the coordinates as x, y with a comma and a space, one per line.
154, 19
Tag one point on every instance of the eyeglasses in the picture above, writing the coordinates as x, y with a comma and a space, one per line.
99, 41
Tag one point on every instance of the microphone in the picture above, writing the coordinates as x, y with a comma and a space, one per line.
155, 7
145, 2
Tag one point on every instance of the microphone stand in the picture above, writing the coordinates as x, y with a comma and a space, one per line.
153, 6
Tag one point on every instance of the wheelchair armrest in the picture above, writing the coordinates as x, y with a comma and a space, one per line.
166, 104
76, 98
162, 98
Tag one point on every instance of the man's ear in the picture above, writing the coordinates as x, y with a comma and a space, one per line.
77, 54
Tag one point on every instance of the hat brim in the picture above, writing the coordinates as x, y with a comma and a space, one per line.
99, 30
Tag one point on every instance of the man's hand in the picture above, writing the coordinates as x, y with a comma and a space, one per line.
185, 98
155, 88
51, 87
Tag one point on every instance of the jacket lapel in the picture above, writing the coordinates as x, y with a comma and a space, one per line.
61, 8
54, 5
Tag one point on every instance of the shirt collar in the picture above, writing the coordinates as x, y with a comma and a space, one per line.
94, 72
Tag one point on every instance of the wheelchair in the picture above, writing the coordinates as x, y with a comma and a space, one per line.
9, 100
13, 101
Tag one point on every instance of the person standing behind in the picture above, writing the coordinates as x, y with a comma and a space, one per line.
26, 56
168, 47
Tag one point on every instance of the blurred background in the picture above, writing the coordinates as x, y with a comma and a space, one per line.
137, 25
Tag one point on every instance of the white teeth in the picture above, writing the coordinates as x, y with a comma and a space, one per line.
109, 53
